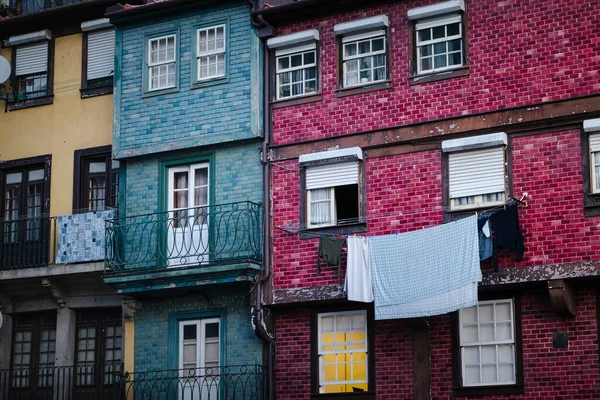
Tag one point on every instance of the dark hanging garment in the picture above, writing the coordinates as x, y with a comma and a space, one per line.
507, 234
330, 251
486, 245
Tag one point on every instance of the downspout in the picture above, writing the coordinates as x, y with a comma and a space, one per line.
257, 312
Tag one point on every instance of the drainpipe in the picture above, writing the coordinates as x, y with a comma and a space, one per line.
257, 314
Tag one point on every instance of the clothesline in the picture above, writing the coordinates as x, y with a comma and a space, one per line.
297, 228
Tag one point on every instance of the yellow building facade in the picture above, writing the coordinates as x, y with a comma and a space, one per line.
63, 330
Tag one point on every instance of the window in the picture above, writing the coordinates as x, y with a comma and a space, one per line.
476, 171
439, 44
98, 352
489, 349
590, 154
364, 51
96, 180
296, 59
188, 207
99, 58
162, 62
343, 353
211, 52
31, 71
200, 358
364, 58
439, 37
331, 180
33, 352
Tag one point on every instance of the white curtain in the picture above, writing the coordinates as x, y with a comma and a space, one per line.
320, 206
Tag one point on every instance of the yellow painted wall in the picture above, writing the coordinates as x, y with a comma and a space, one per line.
69, 124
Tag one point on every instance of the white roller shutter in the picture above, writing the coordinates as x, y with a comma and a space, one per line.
32, 59
100, 54
330, 175
476, 172
595, 143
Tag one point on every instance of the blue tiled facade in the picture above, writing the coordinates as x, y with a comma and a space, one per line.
218, 120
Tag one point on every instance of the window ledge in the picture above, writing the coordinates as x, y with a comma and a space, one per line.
591, 207
38, 101
160, 92
311, 98
438, 76
311, 233
370, 87
355, 396
210, 82
489, 390
96, 91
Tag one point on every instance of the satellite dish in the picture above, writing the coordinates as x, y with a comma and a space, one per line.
4, 70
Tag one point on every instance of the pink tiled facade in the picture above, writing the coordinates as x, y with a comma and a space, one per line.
521, 53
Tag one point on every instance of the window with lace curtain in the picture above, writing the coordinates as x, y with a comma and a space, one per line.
332, 184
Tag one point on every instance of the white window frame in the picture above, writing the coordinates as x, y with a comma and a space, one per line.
594, 178
419, 45
200, 340
321, 352
332, 209
152, 65
356, 40
289, 53
209, 54
495, 343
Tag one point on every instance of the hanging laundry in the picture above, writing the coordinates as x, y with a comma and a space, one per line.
507, 233
358, 284
486, 245
330, 251
426, 272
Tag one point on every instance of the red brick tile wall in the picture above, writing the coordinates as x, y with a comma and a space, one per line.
521, 52
572, 373
404, 194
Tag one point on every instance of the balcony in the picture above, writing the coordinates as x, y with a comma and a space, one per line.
218, 383
33, 242
218, 239
60, 383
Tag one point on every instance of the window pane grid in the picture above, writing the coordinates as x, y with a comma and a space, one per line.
342, 351
596, 171
487, 344
86, 356
211, 52
364, 61
161, 62
32, 86
296, 74
439, 47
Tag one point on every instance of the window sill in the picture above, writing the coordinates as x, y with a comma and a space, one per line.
354, 395
95, 91
489, 390
296, 101
370, 87
591, 207
160, 92
438, 76
38, 101
311, 233
210, 82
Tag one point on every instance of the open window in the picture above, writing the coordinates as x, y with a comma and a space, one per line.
96, 180
333, 188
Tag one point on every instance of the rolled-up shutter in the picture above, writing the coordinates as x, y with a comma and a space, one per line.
330, 175
476, 172
32, 59
595, 143
100, 54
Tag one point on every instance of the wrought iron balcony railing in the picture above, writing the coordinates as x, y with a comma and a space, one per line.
192, 237
60, 383
217, 383
27, 242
